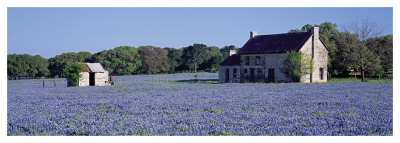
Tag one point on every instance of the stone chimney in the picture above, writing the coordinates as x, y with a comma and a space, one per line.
315, 36
232, 52
315, 32
253, 34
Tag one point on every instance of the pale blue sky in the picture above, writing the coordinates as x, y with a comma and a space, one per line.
52, 31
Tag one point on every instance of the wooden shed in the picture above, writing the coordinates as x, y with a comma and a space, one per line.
93, 74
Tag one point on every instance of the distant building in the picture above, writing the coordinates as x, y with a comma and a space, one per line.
262, 58
93, 74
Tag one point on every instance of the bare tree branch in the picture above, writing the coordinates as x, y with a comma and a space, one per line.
364, 29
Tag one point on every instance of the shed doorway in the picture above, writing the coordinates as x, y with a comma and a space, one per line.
91, 79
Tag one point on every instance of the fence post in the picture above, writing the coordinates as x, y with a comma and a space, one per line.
54, 83
43, 83
167, 80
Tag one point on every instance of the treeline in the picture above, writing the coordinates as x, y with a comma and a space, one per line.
123, 60
356, 48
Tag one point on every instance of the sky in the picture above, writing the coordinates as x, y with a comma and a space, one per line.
52, 31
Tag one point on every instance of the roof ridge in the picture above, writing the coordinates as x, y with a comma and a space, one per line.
286, 33
275, 43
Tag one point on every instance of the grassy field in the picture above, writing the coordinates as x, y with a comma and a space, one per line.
371, 80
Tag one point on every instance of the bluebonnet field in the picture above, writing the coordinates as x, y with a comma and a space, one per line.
140, 105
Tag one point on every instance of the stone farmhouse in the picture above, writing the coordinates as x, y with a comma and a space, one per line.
262, 58
93, 74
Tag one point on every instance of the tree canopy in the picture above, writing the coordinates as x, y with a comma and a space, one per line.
355, 54
27, 65
358, 38
212, 58
174, 59
123, 60
382, 47
194, 55
154, 60
58, 63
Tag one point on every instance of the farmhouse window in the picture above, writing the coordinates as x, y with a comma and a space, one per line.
258, 60
234, 73
247, 60
245, 71
259, 72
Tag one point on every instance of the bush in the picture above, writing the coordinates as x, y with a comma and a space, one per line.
72, 72
298, 65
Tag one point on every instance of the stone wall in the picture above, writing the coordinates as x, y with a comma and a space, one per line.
222, 74
99, 79
245, 68
320, 60
306, 49
276, 61
273, 61
84, 80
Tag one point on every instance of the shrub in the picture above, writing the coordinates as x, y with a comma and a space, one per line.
298, 65
72, 72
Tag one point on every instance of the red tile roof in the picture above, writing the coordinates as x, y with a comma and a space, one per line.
275, 43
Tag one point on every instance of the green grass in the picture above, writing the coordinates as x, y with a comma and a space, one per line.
372, 80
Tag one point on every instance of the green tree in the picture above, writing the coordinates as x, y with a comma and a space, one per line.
297, 65
26, 65
72, 72
305, 28
355, 54
39, 66
194, 55
123, 60
84, 56
212, 58
58, 63
383, 48
154, 60
174, 59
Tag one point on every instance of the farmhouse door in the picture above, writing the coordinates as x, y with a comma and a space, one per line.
321, 73
227, 75
91, 79
252, 75
271, 75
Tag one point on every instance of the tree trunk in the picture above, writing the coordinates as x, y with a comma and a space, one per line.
195, 67
362, 73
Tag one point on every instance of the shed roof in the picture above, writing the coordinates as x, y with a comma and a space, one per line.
93, 67
275, 43
231, 60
